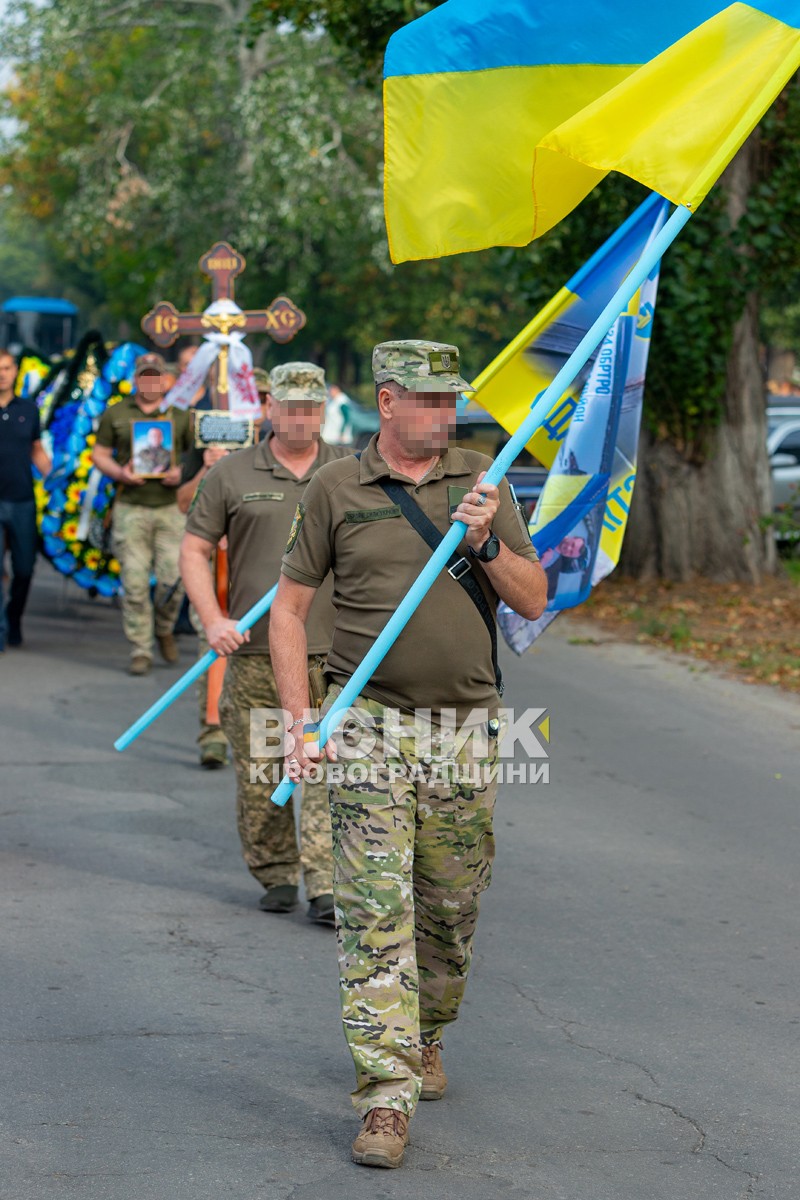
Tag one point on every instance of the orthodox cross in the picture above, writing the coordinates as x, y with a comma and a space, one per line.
222, 264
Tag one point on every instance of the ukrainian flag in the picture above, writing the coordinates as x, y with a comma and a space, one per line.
501, 115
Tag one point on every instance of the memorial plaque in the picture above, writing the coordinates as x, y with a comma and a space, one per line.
220, 429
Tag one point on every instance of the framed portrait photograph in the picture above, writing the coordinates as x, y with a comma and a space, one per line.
152, 447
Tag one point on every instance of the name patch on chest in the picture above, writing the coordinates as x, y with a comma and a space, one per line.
359, 515
263, 496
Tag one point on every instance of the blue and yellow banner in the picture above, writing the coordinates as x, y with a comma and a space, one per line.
501, 117
508, 387
580, 520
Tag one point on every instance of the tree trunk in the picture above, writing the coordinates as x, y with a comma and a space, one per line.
689, 518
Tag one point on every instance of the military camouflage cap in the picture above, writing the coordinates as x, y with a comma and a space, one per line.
298, 381
419, 366
261, 378
150, 362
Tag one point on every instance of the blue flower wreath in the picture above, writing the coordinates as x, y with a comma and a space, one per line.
75, 500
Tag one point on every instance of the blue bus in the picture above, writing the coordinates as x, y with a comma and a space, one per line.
37, 322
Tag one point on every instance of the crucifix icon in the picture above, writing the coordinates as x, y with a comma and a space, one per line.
223, 321
223, 325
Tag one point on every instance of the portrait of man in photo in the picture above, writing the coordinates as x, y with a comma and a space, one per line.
152, 443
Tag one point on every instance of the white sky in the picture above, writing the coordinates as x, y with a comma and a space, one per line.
5, 66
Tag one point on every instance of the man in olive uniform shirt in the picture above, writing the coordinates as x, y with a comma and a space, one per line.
412, 846
147, 525
195, 465
250, 497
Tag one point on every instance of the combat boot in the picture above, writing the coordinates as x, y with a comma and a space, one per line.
214, 752
282, 898
434, 1080
383, 1138
168, 647
321, 910
139, 664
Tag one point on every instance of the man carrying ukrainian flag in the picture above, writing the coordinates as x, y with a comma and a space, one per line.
500, 118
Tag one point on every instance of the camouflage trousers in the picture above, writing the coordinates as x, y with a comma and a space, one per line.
147, 542
267, 833
412, 852
208, 732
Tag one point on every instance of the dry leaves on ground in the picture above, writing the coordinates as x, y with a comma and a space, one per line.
752, 631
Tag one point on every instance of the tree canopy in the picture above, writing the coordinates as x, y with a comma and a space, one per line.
144, 131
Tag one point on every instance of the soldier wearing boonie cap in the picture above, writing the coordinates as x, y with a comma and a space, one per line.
250, 497
412, 852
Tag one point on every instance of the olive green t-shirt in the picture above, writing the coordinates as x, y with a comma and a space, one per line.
115, 434
251, 498
442, 659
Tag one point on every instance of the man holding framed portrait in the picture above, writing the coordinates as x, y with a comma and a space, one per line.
138, 448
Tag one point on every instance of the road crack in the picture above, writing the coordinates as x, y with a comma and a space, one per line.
700, 1146
568, 1025
209, 952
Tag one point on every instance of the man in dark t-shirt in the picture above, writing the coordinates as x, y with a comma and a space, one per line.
20, 446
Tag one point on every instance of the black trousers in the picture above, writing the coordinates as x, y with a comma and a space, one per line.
20, 538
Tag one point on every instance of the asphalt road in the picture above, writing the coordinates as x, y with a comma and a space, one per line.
631, 1027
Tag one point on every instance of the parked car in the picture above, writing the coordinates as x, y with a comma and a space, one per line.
780, 413
783, 448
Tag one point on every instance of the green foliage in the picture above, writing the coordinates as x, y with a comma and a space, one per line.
134, 148
110, 127
361, 30
23, 259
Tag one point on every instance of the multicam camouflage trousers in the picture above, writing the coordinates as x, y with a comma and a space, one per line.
147, 542
267, 833
412, 854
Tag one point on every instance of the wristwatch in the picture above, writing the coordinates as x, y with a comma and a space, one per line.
488, 551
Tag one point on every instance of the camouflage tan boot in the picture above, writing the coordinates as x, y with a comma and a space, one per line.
434, 1080
383, 1138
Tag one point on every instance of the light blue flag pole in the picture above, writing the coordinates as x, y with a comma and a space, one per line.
539, 410
155, 710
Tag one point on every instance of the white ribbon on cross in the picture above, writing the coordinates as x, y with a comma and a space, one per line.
243, 398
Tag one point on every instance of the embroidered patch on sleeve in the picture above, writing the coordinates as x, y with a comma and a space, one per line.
297, 525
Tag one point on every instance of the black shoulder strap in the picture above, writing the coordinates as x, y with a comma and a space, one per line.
457, 567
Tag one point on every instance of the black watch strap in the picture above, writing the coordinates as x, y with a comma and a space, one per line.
481, 554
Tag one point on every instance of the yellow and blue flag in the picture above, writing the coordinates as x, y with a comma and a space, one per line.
502, 116
510, 384
580, 520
